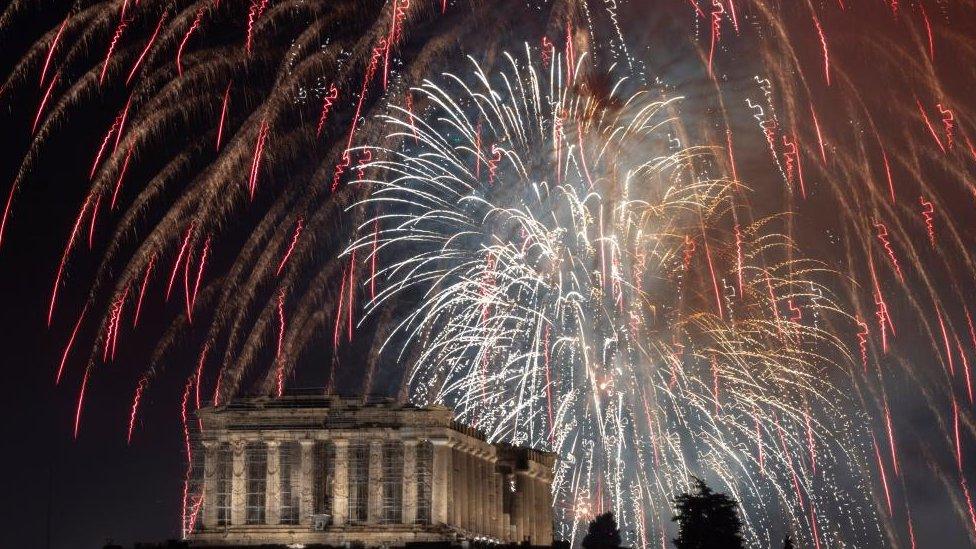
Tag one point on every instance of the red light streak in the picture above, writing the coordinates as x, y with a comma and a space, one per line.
149, 45
71, 342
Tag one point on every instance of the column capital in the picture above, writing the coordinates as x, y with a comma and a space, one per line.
343, 442
273, 443
307, 443
442, 442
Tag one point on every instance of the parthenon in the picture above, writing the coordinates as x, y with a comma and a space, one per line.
314, 469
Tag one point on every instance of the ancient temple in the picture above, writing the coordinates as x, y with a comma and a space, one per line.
313, 469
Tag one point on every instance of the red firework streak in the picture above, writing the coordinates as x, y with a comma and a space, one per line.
399, 8
928, 213
64, 257
280, 374
862, 341
929, 126
291, 247
972, 339
948, 122
47, 95
142, 289
186, 38
887, 167
340, 169
114, 323
823, 45
711, 268
179, 259
717, 11
50, 51
969, 502
91, 227
408, 98
118, 134
116, 127
496, 158
81, 399
791, 154
889, 250
945, 340
820, 140
548, 50
570, 54
192, 301
789, 461
365, 159
965, 367
338, 313
198, 380
370, 72
136, 398
327, 103
223, 115
891, 438
71, 342
955, 433
258, 153
187, 521
728, 140
118, 183
152, 39
881, 469
111, 48
253, 13
881, 311
928, 31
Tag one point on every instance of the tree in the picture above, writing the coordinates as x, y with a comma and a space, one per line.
603, 533
788, 542
707, 520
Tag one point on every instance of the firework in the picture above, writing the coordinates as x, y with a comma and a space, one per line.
580, 295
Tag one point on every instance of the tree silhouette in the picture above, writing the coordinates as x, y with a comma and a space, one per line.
788, 542
707, 520
603, 533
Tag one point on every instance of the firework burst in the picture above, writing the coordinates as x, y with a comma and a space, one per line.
582, 285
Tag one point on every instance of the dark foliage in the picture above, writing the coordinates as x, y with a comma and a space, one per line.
603, 533
707, 520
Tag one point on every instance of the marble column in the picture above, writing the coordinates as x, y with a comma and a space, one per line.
210, 480
409, 481
518, 507
238, 484
441, 494
529, 509
545, 508
272, 485
375, 501
463, 493
305, 502
480, 494
340, 483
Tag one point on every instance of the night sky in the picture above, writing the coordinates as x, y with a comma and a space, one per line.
71, 493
